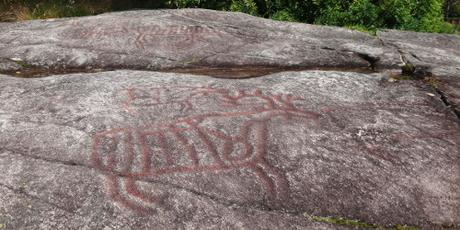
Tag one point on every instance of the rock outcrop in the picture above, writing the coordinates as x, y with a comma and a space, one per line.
143, 149
188, 38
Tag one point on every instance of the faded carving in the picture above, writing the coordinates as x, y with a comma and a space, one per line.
142, 37
153, 151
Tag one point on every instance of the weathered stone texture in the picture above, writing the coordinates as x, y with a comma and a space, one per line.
188, 38
133, 147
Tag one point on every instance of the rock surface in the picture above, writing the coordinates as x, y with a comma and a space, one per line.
222, 44
188, 38
131, 149
436, 54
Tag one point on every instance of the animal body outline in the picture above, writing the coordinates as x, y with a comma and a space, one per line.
121, 179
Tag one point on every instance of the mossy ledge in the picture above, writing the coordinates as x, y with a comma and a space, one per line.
356, 223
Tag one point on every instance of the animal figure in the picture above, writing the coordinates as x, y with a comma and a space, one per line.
189, 145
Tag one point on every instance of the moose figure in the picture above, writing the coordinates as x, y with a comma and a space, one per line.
194, 144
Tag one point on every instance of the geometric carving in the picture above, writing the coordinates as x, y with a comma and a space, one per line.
174, 36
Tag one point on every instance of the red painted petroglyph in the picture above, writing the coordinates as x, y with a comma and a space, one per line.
126, 155
182, 36
182, 96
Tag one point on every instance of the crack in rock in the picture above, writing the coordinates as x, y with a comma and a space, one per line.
34, 197
219, 200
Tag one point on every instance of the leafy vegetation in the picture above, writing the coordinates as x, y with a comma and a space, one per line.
452, 8
11, 10
365, 15
342, 221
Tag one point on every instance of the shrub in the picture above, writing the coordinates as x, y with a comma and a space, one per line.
245, 6
283, 15
368, 15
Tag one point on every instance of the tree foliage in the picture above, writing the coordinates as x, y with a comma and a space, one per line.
418, 15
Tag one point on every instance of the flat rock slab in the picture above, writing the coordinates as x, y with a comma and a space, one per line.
192, 38
437, 54
132, 149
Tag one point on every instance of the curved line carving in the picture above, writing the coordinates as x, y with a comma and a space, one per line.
114, 151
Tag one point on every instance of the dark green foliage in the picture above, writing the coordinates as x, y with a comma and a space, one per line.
425, 16
452, 8
247, 6
366, 15
35, 9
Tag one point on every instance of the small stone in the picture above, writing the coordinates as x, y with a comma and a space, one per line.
15, 59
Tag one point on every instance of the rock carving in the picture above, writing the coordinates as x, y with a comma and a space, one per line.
116, 151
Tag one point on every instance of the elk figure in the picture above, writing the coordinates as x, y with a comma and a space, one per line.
191, 146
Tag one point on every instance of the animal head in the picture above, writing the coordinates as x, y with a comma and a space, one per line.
209, 100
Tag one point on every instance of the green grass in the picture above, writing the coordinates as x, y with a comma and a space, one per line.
405, 77
356, 223
371, 31
433, 82
341, 221
457, 30
49, 9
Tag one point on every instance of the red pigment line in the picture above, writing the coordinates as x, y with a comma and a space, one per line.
130, 94
209, 146
145, 151
114, 188
270, 102
226, 96
261, 137
278, 98
139, 41
288, 102
156, 129
260, 166
132, 189
126, 104
129, 152
97, 159
94, 155
226, 152
266, 180
187, 170
244, 139
219, 134
187, 105
165, 149
156, 96
281, 183
111, 159
186, 102
247, 150
191, 151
